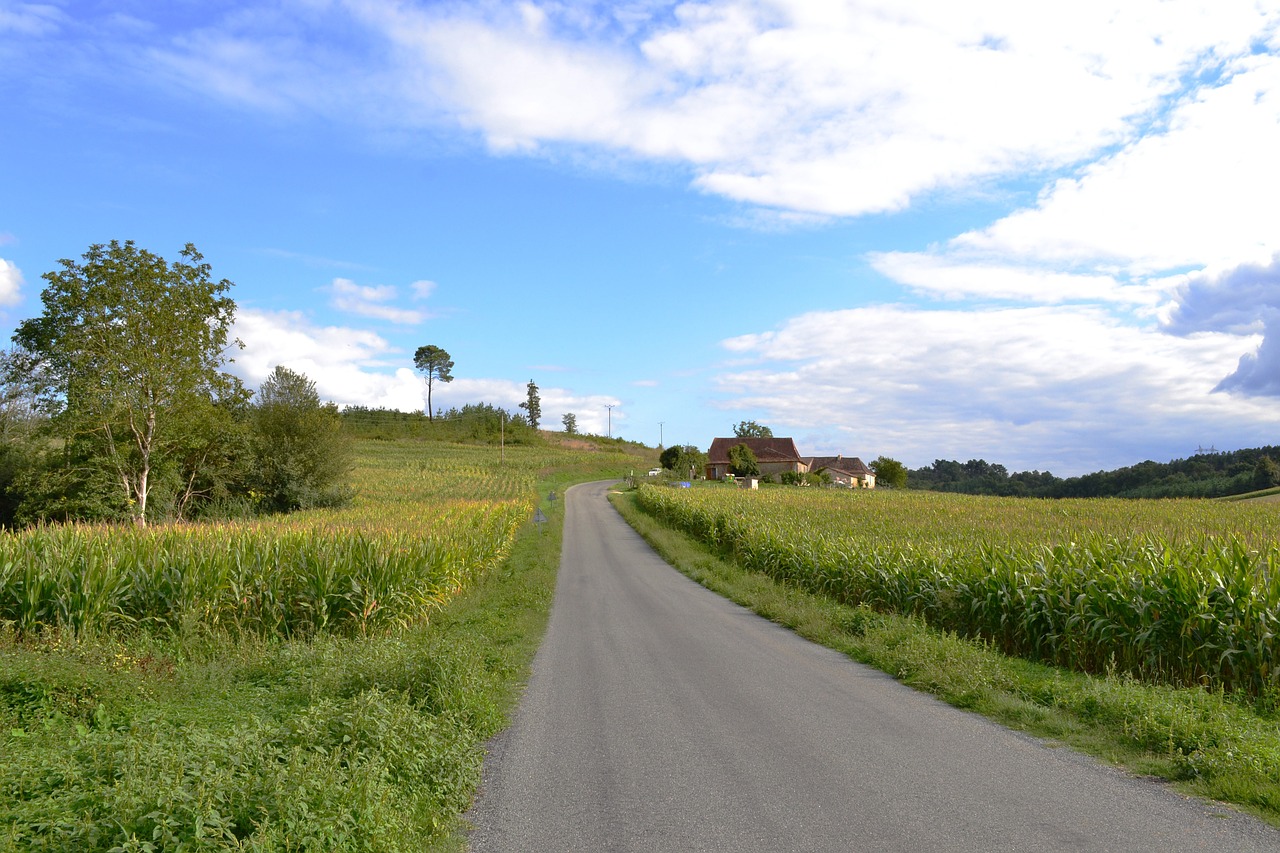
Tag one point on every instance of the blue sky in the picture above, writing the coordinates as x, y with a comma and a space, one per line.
1047, 237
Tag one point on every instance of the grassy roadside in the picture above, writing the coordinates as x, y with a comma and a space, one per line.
328, 743
1203, 744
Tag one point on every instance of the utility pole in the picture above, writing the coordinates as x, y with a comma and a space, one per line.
610, 406
660, 425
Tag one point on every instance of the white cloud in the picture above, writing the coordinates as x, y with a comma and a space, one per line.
11, 282
837, 109
954, 277
1200, 193
349, 367
1070, 389
423, 289
346, 364
367, 301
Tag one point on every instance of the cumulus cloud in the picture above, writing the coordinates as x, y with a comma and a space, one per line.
836, 109
1241, 301
11, 282
348, 365
355, 367
366, 301
1197, 193
1070, 388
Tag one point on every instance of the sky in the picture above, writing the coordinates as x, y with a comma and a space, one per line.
1045, 235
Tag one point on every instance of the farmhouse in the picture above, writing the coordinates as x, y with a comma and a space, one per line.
850, 472
774, 455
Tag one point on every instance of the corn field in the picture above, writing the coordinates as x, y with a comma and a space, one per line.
1180, 592
428, 519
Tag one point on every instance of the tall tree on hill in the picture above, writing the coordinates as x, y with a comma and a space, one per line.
570, 421
131, 350
436, 366
533, 405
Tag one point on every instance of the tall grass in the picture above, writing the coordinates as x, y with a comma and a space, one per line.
1183, 592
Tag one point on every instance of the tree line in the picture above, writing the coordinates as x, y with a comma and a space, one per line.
116, 405
1204, 475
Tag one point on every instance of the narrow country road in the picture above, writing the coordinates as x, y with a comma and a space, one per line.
661, 717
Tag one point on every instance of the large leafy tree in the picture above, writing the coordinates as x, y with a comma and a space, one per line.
131, 349
751, 429
436, 365
890, 472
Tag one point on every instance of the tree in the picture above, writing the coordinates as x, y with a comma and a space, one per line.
751, 429
891, 472
130, 349
742, 462
683, 459
436, 366
533, 405
302, 459
570, 421
1266, 474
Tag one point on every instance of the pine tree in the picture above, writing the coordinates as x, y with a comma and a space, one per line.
533, 405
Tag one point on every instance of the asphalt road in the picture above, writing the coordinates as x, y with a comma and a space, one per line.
661, 717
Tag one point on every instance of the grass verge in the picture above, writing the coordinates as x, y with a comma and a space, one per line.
1204, 744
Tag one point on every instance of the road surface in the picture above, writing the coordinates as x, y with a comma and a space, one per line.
661, 717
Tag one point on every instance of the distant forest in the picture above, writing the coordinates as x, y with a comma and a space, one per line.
1205, 475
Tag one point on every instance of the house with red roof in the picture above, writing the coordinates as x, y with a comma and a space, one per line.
774, 455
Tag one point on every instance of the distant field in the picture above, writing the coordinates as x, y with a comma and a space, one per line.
1179, 591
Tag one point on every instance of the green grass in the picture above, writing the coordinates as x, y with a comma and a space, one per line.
198, 737
1205, 744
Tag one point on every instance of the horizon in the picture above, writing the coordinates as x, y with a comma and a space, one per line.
1044, 238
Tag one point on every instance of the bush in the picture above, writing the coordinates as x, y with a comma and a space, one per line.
302, 458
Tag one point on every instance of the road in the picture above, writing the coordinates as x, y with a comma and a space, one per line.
661, 717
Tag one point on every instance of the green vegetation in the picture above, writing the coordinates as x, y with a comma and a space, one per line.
304, 709
889, 472
751, 429
1204, 475
1178, 592
1210, 744
742, 461
302, 458
684, 461
116, 404
128, 359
